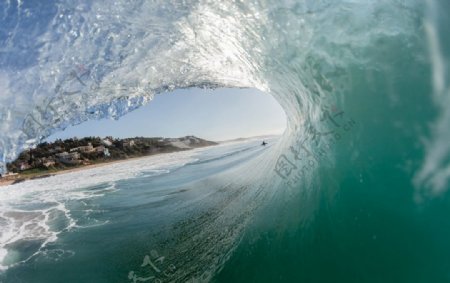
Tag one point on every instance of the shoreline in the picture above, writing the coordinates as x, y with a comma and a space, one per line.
21, 179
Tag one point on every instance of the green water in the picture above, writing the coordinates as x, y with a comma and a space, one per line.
363, 220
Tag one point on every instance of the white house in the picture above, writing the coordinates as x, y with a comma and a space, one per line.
107, 142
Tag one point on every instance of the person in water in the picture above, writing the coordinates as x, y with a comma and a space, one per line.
264, 143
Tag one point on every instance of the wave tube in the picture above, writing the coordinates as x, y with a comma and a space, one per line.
356, 190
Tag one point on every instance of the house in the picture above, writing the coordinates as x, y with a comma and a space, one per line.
68, 158
107, 142
74, 156
84, 149
48, 162
62, 155
102, 149
24, 166
128, 143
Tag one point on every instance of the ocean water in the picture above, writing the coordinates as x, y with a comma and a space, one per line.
356, 189
99, 225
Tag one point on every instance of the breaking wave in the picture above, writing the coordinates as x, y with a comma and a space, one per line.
364, 85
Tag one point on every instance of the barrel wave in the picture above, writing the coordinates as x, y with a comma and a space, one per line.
356, 190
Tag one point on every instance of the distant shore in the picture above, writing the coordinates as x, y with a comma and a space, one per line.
177, 146
44, 174
41, 175
71, 155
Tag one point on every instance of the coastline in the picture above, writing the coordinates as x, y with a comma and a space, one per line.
20, 179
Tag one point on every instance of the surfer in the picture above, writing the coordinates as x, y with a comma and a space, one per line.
263, 143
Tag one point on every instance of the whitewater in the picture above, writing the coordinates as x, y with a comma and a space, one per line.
356, 190
64, 219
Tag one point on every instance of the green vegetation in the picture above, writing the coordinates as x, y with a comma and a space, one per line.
60, 155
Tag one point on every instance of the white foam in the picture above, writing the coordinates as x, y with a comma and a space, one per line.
29, 209
3, 254
433, 178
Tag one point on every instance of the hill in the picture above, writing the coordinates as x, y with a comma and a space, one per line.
65, 154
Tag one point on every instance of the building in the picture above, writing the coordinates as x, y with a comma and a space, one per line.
62, 155
68, 158
48, 162
84, 149
102, 149
107, 142
24, 166
74, 156
128, 143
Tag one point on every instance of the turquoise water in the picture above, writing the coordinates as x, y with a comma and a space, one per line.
356, 189
102, 231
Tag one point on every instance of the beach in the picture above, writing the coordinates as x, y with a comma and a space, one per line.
21, 178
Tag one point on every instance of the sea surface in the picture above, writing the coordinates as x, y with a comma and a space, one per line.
99, 225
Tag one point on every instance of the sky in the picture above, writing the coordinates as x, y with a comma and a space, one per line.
217, 115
